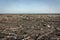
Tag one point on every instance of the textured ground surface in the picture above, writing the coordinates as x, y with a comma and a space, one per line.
29, 27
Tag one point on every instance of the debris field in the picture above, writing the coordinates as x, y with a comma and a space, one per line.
29, 27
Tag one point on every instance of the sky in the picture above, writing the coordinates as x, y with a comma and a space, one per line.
29, 6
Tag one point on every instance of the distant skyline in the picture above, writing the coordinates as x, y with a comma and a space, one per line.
29, 6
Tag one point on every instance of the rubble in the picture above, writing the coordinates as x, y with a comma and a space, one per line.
29, 27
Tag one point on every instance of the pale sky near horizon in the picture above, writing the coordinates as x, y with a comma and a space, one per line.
29, 6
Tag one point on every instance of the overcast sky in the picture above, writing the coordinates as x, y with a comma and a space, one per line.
29, 6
